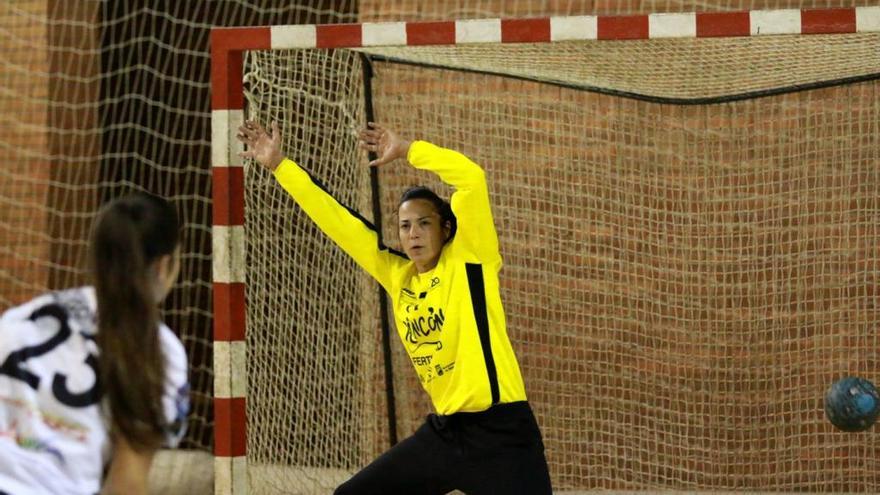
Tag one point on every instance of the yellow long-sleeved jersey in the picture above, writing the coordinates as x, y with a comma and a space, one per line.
450, 319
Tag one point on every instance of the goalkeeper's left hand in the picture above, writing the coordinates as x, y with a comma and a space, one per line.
384, 142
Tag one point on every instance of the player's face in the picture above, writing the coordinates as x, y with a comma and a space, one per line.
167, 269
422, 233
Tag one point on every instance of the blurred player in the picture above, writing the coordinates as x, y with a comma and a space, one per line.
91, 381
483, 438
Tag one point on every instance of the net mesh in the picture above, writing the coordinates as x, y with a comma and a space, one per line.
682, 283
314, 356
669, 70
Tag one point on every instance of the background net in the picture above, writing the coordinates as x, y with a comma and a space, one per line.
101, 98
682, 282
98, 98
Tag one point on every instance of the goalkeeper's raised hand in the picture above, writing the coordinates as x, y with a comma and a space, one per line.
262, 146
384, 142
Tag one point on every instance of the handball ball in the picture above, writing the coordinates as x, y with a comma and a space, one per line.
852, 404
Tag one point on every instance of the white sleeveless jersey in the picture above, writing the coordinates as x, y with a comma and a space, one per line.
54, 438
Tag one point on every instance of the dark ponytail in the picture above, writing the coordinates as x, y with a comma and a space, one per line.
129, 234
444, 209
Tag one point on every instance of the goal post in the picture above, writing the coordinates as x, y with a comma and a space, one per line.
687, 207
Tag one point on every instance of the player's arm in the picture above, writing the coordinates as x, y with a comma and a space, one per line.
354, 234
470, 202
129, 469
175, 396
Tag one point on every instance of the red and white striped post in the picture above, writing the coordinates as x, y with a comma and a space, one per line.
230, 379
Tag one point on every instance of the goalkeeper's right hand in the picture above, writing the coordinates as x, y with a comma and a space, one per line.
262, 146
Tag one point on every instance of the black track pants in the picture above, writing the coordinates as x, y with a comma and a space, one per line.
494, 452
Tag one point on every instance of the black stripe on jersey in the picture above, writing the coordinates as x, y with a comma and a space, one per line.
481, 316
354, 213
